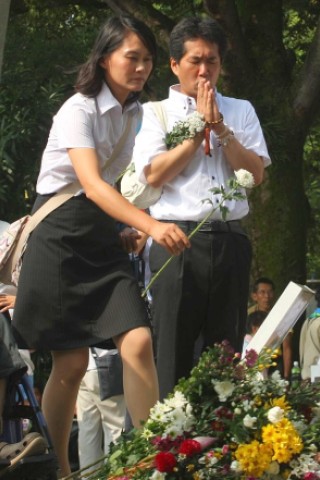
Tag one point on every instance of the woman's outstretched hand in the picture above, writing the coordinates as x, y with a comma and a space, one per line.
170, 236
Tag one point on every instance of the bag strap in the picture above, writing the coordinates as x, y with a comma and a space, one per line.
61, 197
117, 149
161, 113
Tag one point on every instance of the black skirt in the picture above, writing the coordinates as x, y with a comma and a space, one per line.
76, 286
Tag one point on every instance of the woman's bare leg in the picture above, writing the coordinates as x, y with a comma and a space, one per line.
140, 379
59, 399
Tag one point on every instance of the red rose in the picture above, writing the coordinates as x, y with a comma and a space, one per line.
165, 461
190, 447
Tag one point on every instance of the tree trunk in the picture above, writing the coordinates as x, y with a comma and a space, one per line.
4, 16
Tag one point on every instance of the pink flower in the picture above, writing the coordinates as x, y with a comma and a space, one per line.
225, 449
205, 442
251, 358
310, 476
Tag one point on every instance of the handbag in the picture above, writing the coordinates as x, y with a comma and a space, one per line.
110, 373
13, 241
142, 195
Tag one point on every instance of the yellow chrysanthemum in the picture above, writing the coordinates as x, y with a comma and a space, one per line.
254, 457
279, 402
283, 438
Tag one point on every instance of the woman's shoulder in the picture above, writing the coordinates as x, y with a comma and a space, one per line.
76, 105
79, 100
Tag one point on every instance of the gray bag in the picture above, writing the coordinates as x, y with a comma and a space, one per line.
110, 373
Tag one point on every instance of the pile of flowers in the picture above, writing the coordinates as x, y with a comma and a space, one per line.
225, 421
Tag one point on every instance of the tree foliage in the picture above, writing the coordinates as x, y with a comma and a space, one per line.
273, 61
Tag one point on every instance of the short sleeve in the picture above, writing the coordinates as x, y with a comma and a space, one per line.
74, 127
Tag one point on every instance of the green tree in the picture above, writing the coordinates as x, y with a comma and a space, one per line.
273, 61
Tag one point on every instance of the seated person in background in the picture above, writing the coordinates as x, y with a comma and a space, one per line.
12, 367
309, 346
263, 295
254, 322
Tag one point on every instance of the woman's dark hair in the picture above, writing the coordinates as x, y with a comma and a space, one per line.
192, 28
91, 75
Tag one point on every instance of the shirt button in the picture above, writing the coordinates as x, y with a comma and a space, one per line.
213, 178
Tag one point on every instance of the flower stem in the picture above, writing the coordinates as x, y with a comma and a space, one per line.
194, 231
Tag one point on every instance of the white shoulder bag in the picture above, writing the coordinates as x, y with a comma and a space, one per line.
142, 195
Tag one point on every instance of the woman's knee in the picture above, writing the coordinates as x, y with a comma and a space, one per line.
70, 365
136, 342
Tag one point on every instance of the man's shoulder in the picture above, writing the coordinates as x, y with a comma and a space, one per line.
151, 103
233, 101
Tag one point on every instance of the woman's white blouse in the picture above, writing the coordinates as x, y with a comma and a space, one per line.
84, 122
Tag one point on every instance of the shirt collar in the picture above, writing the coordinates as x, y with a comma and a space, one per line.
106, 101
181, 100
185, 101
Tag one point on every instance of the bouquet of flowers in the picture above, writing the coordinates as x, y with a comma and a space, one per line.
225, 420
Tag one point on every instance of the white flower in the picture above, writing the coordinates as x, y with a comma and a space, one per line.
246, 405
172, 431
273, 468
158, 475
224, 389
177, 400
249, 422
237, 411
245, 178
235, 466
275, 414
146, 433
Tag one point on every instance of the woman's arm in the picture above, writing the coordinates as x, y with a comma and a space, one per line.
86, 165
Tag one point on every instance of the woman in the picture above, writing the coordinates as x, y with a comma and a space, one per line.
76, 285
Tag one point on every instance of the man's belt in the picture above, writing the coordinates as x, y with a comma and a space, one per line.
233, 226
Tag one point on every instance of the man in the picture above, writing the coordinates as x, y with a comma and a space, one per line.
206, 288
263, 293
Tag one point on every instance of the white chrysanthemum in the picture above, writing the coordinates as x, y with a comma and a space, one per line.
245, 178
224, 389
146, 433
178, 400
172, 431
158, 410
249, 422
275, 414
304, 464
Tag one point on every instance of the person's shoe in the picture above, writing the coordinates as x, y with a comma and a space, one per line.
32, 444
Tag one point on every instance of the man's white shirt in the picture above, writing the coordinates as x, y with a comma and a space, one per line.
183, 198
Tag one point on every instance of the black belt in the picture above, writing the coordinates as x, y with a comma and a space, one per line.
213, 226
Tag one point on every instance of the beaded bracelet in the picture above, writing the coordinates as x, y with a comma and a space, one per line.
215, 122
